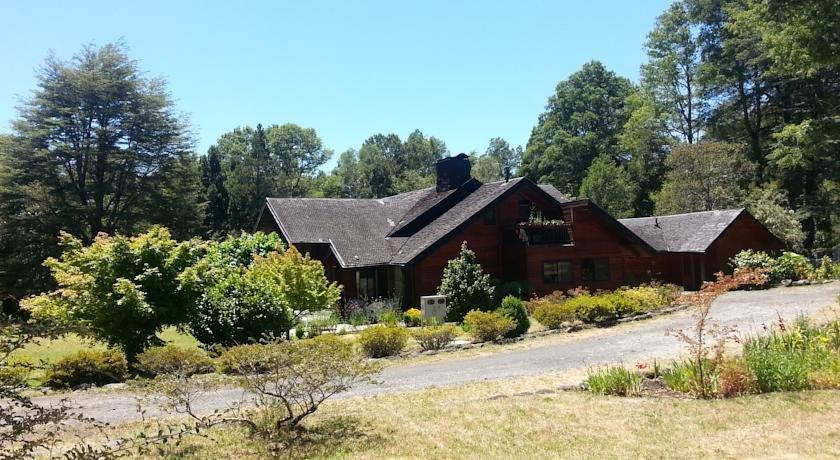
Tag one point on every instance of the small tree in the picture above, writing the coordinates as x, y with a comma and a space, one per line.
248, 286
466, 286
120, 290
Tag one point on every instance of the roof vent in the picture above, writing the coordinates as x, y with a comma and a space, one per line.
507, 173
656, 222
452, 172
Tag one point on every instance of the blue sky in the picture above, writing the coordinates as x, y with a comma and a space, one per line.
461, 71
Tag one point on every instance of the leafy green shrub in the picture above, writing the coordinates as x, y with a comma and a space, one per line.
123, 290
175, 360
87, 366
465, 285
826, 270
413, 317
228, 361
239, 305
589, 308
514, 308
552, 315
488, 326
380, 341
792, 266
623, 304
616, 381
434, 337
14, 372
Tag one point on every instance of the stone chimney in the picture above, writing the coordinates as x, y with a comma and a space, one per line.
452, 172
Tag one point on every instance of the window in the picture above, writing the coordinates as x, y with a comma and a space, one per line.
490, 217
557, 272
366, 284
595, 269
524, 211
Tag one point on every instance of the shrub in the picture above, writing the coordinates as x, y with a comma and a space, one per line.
514, 308
122, 290
14, 372
734, 378
826, 270
791, 266
241, 307
591, 308
616, 381
173, 359
229, 361
488, 326
380, 341
465, 285
434, 337
290, 380
623, 304
87, 366
552, 315
358, 318
248, 286
413, 317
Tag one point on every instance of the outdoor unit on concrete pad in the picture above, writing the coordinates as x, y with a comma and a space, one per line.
433, 306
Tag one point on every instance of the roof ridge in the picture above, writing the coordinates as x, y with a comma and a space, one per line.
682, 214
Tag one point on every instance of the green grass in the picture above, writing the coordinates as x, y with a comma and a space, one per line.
615, 380
48, 351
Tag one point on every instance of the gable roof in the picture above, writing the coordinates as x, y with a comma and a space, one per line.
365, 232
691, 232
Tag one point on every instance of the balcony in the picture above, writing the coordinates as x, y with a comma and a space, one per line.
545, 233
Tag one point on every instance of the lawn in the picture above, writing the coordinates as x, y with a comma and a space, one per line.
527, 418
51, 350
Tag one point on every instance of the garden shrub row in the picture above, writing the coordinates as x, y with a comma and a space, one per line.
788, 266
554, 310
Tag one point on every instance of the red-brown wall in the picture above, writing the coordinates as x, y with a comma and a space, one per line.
506, 258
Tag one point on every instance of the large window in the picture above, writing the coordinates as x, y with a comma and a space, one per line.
595, 269
559, 271
366, 284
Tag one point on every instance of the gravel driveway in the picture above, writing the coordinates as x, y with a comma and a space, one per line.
631, 342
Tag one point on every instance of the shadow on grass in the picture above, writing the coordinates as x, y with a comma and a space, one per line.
329, 438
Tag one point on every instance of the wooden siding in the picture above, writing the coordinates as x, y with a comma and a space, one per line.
506, 258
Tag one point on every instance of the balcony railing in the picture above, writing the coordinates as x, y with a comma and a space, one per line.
535, 234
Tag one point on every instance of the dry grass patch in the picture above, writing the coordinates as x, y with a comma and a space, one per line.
527, 418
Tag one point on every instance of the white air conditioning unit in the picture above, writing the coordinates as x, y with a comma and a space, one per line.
433, 306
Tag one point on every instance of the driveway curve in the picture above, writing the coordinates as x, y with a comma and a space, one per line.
747, 311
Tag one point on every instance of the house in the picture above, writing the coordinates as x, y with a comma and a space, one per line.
398, 246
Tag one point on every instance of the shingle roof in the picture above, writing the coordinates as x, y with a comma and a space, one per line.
691, 232
358, 229
557, 194
449, 221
